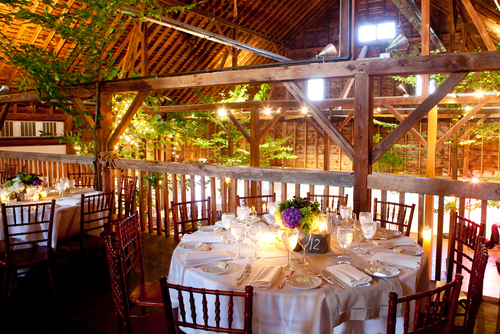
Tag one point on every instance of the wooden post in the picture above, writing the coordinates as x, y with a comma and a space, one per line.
102, 133
254, 144
326, 160
363, 115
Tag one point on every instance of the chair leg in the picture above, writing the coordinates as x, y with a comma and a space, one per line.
6, 286
50, 270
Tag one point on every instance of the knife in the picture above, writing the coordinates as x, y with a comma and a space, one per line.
332, 280
243, 272
248, 271
282, 283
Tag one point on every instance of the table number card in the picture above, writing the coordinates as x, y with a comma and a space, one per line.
319, 243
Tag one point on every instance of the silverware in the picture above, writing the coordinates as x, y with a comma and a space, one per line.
209, 249
395, 266
332, 280
248, 271
282, 284
243, 272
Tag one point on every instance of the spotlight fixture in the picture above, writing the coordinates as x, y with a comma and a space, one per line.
328, 52
402, 87
400, 43
4, 88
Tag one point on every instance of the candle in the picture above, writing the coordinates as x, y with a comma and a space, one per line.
43, 194
323, 224
5, 199
268, 238
36, 197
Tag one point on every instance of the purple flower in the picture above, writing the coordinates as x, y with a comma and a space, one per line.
37, 181
291, 217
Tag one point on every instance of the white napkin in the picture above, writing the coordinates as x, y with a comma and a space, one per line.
266, 277
197, 258
397, 259
350, 275
395, 241
202, 237
69, 202
268, 219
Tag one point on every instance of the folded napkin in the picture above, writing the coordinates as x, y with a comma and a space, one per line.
397, 259
350, 275
268, 219
395, 241
266, 277
202, 237
198, 258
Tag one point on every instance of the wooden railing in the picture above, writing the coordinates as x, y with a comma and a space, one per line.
182, 182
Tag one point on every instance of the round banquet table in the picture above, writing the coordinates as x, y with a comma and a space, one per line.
289, 310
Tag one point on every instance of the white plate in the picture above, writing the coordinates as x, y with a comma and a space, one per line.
210, 229
383, 233
214, 269
388, 272
191, 245
313, 284
411, 251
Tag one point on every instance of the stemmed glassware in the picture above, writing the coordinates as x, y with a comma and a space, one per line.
71, 186
30, 191
5, 196
356, 229
45, 181
227, 221
369, 228
242, 212
344, 239
254, 233
61, 187
271, 209
289, 240
345, 212
304, 240
252, 215
238, 231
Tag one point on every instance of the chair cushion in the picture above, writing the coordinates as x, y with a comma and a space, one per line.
26, 257
150, 297
153, 324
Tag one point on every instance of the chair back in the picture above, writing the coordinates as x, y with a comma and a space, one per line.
128, 236
95, 213
126, 196
118, 287
463, 233
191, 320
439, 308
256, 201
27, 225
187, 215
475, 290
329, 201
393, 215
10, 170
4, 176
83, 180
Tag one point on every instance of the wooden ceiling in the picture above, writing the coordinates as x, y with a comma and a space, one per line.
269, 25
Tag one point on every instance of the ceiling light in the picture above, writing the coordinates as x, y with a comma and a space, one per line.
328, 52
304, 110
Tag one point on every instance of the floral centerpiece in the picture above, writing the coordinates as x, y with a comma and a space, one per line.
298, 213
19, 183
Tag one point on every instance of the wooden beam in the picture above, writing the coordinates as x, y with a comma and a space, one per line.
344, 123
80, 107
238, 126
475, 126
3, 114
39, 141
350, 81
320, 118
126, 119
401, 119
417, 114
270, 124
363, 124
254, 145
309, 120
459, 124
36, 117
479, 25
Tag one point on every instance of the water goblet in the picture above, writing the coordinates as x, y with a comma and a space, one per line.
254, 233
289, 240
272, 207
30, 191
344, 239
5, 196
252, 215
356, 229
369, 228
345, 211
242, 213
55, 181
304, 240
238, 231
61, 186
227, 220
71, 184
45, 181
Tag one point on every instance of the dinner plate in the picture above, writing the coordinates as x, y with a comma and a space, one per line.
211, 229
312, 284
191, 245
410, 251
383, 233
388, 271
214, 269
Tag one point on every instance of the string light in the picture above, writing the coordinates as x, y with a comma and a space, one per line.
267, 111
222, 112
304, 110
468, 108
479, 94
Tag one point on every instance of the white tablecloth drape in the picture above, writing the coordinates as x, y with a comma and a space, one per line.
289, 311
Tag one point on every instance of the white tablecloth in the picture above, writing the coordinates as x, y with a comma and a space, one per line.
289, 310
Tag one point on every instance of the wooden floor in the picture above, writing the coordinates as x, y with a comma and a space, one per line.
87, 307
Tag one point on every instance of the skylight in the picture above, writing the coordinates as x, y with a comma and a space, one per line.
316, 89
381, 31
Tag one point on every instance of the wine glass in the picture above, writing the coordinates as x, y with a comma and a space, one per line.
227, 220
304, 240
344, 239
71, 185
55, 181
271, 209
254, 233
45, 181
369, 228
252, 215
289, 240
345, 211
238, 232
242, 212
61, 186
356, 229
30, 191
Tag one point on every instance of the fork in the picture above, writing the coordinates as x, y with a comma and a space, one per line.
244, 271
209, 249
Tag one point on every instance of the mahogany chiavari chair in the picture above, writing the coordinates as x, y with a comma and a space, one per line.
394, 215
10, 170
126, 202
95, 216
130, 249
329, 201
256, 201
438, 311
186, 320
83, 180
153, 324
28, 240
187, 215
463, 233
4, 176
